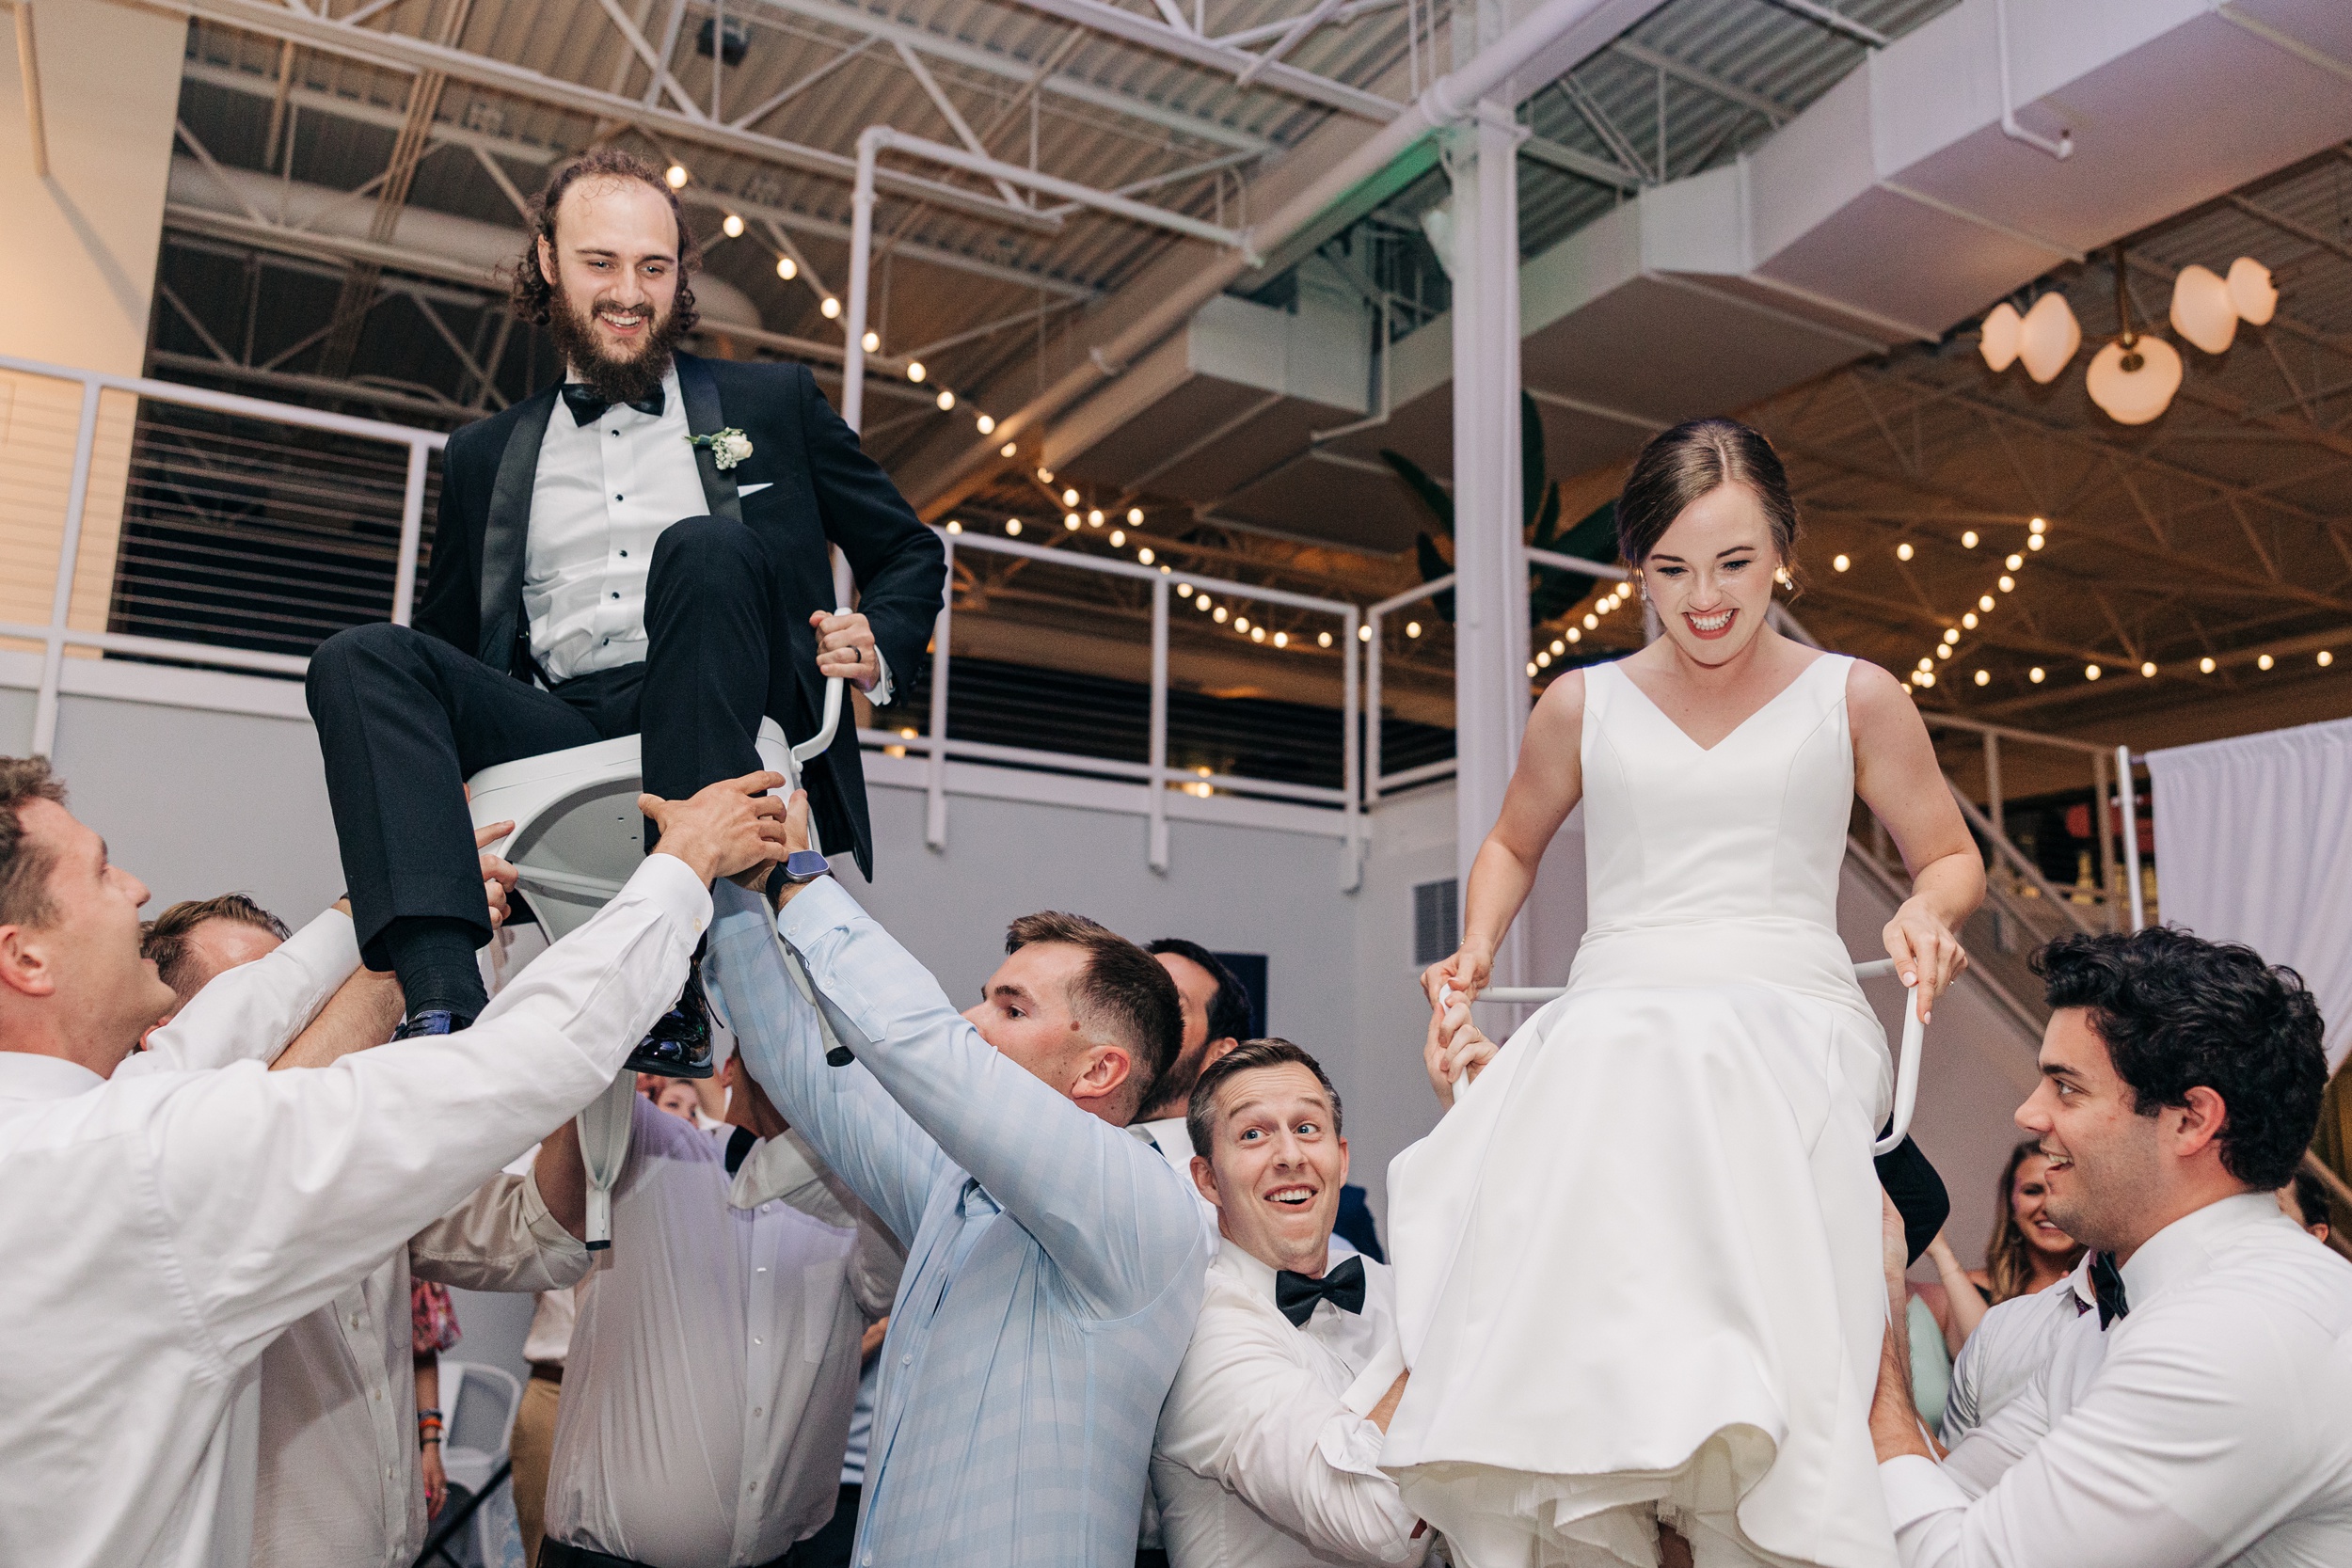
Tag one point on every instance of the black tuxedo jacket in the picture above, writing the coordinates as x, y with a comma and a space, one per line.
821, 488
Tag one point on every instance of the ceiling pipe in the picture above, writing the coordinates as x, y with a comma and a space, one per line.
1447, 100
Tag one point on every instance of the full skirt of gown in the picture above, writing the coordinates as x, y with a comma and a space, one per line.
1640, 1279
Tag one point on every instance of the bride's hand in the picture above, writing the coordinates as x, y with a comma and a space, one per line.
1465, 974
1925, 952
1455, 1053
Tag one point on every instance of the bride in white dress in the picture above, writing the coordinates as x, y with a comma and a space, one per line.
1638, 1262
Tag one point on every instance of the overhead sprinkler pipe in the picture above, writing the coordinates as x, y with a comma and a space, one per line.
876, 139
1447, 100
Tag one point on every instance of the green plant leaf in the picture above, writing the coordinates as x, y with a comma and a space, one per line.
1433, 567
1431, 493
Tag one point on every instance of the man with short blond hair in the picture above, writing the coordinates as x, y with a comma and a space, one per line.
198, 938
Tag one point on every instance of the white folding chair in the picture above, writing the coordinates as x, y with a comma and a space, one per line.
577, 837
481, 1401
1906, 1061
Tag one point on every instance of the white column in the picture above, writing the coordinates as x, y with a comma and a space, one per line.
1490, 686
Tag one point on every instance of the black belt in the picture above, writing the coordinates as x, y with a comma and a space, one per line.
562, 1554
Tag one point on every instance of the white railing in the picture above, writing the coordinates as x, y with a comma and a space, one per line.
57, 636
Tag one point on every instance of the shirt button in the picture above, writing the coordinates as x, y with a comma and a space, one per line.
624, 555
757, 1411
620, 498
758, 1340
616, 595
867, 1561
907, 1360
762, 1269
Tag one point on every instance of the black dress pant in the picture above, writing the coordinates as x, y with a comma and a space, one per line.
404, 719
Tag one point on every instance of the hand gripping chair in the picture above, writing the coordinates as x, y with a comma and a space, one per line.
577, 837
1906, 1064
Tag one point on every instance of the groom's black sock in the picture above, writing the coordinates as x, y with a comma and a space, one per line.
434, 957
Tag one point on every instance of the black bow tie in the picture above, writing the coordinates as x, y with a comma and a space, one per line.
1296, 1294
2108, 1280
587, 408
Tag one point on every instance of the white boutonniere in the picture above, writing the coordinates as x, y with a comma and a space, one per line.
728, 447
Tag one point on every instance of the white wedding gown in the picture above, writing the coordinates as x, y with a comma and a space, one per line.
1637, 1263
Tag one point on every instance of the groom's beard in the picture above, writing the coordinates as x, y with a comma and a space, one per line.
613, 378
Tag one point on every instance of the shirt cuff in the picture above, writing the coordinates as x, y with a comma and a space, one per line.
824, 905
882, 692
1915, 1486
671, 886
556, 1245
1351, 1445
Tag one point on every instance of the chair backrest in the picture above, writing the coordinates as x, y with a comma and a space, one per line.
481, 1401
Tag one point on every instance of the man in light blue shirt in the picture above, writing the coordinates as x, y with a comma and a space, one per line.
1055, 1263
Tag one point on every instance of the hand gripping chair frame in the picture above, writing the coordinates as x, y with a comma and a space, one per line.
540, 794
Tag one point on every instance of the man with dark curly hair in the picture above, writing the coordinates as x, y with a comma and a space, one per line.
640, 549
2200, 1413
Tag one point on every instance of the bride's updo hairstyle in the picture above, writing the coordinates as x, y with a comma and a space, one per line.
1690, 461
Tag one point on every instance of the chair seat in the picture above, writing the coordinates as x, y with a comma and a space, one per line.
578, 835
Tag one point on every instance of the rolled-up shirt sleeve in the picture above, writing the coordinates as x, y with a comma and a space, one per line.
501, 1238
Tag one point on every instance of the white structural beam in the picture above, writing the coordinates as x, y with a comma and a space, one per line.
1490, 686
1077, 89
876, 139
1131, 27
398, 52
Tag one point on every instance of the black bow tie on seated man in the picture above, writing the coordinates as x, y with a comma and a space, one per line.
2108, 1280
587, 407
1296, 1294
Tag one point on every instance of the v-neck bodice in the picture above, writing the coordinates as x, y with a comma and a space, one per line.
1720, 862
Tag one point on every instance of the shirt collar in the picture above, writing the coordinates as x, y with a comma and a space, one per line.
1255, 1276
30, 1075
2085, 1294
1157, 1134
2184, 1249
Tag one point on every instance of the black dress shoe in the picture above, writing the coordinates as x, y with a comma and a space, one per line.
432, 1020
680, 1045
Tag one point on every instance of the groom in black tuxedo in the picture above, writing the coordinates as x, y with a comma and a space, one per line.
641, 549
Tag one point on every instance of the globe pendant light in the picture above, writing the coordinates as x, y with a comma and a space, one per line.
2049, 337
2002, 327
2251, 291
2202, 310
2133, 378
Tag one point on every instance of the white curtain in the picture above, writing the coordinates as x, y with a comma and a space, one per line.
2254, 845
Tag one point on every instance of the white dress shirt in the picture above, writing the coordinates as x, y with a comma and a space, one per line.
338, 1480
191, 1208
2010, 1346
604, 492
2209, 1426
1264, 1456
706, 1397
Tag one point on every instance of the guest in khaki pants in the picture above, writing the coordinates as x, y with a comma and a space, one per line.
549, 1342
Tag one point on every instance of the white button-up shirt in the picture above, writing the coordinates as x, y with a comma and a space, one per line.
1264, 1456
2012, 1344
339, 1480
2209, 1426
605, 490
163, 1227
706, 1397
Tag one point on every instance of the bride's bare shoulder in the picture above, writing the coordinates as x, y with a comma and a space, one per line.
1877, 703
1562, 701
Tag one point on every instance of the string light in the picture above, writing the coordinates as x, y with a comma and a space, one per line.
1531, 667
1118, 537
986, 423
2037, 675
1240, 623
830, 309
1969, 620
1144, 555
2204, 666
1576, 634
872, 341
1558, 646
1985, 602
1984, 677
1183, 591
2014, 560
2009, 584
1135, 517
1070, 521
916, 371
2039, 525
1070, 497
1952, 634
1323, 640
732, 225
1902, 551
787, 268
1543, 661
2034, 543
1364, 633
954, 527
1840, 562
946, 400
1217, 615
1281, 640
677, 176
1007, 449
1412, 628
2326, 658
2091, 671
1968, 540
1257, 634
1012, 525
2265, 662
1094, 517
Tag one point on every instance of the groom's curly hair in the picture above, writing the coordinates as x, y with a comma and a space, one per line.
535, 296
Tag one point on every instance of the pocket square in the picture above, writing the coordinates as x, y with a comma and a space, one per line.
743, 490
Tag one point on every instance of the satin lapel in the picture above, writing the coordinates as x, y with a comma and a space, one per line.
507, 528
699, 390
